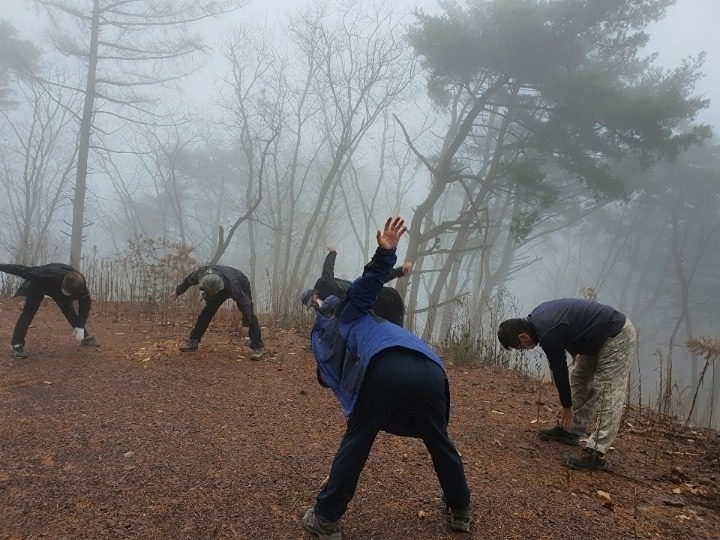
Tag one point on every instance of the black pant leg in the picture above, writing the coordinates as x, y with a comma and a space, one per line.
30, 308
350, 459
254, 332
445, 457
206, 315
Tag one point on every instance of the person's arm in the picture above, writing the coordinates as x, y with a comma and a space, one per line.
553, 344
18, 270
399, 271
363, 292
328, 269
190, 280
84, 304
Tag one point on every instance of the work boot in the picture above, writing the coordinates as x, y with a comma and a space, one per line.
190, 346
18, 351
89, 341
560, 435
324, 530
589, 458
459, 520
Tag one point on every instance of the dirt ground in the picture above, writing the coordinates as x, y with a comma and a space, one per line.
137, 440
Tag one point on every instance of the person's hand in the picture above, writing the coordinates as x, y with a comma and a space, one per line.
389, 237
331, 249
406, 267
565, 418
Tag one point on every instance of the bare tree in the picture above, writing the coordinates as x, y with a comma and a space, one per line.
320, 97
123, 45
36, 164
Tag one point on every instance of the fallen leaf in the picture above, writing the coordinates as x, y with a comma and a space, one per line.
604, 495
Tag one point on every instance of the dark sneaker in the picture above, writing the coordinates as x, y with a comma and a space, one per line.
560, 435
89, 341
190, 346
324, 530
18, 351
459, 520
588, 459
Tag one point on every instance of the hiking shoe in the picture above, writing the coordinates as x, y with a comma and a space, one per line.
18, 351
459, 520
190, 346
324, 530
257, 354
560, 435
589, 458
89, 341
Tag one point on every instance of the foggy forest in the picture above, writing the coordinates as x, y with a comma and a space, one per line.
537, 150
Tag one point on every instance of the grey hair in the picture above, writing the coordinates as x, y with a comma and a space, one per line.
212, 284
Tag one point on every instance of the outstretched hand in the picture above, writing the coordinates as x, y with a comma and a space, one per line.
389, 237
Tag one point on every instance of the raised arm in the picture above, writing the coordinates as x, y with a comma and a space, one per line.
363, 292
328, 269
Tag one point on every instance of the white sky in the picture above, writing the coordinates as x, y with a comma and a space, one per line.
690, 26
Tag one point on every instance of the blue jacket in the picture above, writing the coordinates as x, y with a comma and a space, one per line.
346, 335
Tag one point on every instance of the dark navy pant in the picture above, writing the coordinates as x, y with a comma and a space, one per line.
33, 299
212, 304
406, 394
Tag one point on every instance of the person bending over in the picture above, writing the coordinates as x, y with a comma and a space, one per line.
218, 283
386, 379
61, 282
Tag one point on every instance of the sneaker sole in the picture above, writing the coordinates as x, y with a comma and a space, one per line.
321, 536
598, 467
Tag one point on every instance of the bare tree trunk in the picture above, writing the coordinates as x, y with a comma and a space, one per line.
76, 235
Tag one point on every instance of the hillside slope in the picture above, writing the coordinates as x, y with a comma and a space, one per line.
136, 440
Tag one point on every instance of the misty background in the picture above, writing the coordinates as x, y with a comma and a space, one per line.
538, 149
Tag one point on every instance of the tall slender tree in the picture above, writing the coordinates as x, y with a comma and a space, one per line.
128, 47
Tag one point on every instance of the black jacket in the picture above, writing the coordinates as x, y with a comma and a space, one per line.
389, 305
237, 287
47, 280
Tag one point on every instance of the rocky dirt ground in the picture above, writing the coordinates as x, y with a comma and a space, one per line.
136, 440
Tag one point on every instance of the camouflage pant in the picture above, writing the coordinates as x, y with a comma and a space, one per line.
599, 385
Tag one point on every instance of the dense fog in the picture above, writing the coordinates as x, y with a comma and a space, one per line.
538, 150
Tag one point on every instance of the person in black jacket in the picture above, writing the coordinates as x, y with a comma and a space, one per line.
218, 283
389, 305
601, 341
61, 282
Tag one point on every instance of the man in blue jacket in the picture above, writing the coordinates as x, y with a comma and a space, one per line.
386, 379
601, 341
64, 285
218, 283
